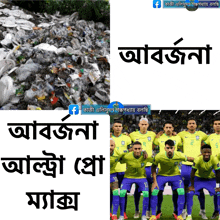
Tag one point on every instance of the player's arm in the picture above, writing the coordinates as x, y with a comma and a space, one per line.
192, 177
204, 139
217, 175
190, 159
122, 158
159, 134
145, 154
154, 175
155, 142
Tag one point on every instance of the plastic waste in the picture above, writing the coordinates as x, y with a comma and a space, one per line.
52, 61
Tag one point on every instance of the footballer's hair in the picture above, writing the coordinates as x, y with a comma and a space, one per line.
170, 143
191, 119
144, 119
129, 146
118, 121
168, 122
216, 119
137, 143
206, 146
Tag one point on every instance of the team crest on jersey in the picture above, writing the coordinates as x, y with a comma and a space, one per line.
176, 163
142, 164
174, 142
123, 143
149, 138
197, 137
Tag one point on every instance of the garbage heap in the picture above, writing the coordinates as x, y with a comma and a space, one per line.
51, 61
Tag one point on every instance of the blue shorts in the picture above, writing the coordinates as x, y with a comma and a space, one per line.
120, 178
142, 184
174, 181
185, 174
113, 177
149, 175
202, 183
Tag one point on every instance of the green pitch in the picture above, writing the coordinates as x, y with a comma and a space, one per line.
167, 207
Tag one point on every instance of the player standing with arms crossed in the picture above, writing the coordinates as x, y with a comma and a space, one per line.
160, 140
146, 138
168, 173
192, 141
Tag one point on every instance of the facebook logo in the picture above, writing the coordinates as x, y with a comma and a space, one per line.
73, 109
157, 3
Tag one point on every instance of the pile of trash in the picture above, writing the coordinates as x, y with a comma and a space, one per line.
51, 61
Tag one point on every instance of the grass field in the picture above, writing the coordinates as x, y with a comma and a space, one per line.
167, 207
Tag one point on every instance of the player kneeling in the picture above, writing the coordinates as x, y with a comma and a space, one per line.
135, 173
203, 177
168, 173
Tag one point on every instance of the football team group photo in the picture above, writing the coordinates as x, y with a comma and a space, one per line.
165, 166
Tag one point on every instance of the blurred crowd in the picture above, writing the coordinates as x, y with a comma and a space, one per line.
179, 118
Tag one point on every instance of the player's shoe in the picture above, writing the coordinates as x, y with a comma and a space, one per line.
125, 216
184, 213
114, 217
202, 214
159, 214
137, 214
215, 215
175, 215
179, 217
147, 214
143, 217
121, 218
189, 218
153, 217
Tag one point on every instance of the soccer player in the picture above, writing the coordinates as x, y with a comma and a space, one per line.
202, 176
214, 141
160, 140
114, 158
192, 141
121, 143
135, 173
146, 138
168, 173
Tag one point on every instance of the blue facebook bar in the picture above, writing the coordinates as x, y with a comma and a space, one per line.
185, 3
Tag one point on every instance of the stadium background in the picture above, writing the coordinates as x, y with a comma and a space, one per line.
156, 121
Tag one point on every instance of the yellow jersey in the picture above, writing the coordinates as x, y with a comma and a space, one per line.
192, 143
121, 144
163, 138
204, 169
169, 166
214, 141
146, 141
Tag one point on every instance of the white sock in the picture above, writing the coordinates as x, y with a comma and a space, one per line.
189, 215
